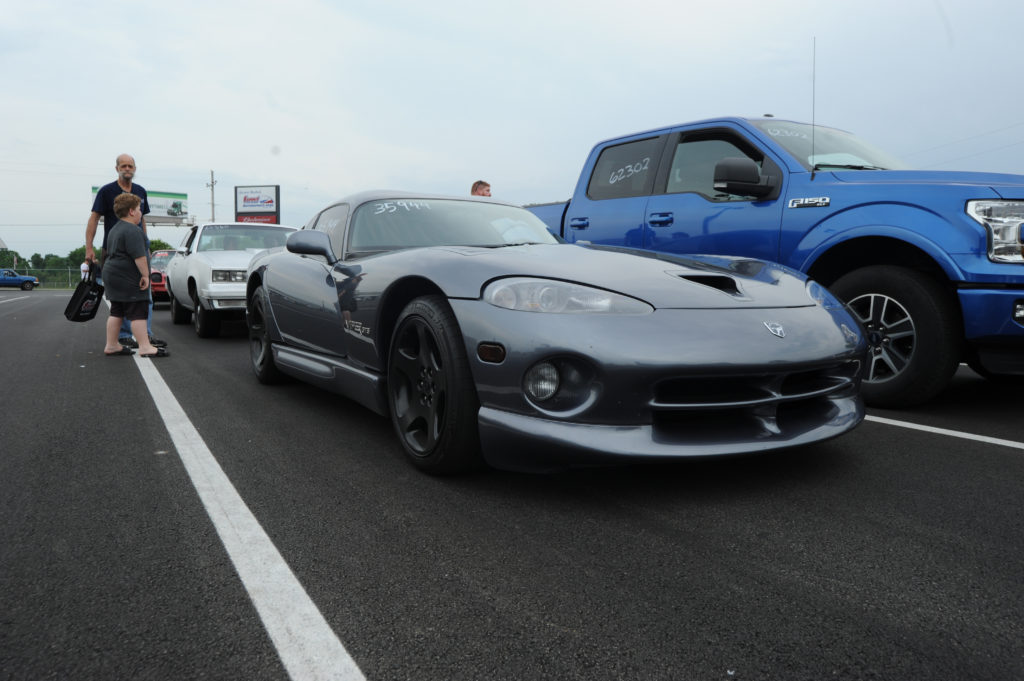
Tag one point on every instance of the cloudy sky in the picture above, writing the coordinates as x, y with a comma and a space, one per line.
327, 97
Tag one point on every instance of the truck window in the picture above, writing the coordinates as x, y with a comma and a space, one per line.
625, 170
693, 167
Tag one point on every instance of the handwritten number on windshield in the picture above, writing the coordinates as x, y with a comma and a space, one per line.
394, 206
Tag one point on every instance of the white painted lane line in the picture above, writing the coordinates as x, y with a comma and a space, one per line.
307, 646
11, 300
944, 431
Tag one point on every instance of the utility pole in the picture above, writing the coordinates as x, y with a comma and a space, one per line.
213, 214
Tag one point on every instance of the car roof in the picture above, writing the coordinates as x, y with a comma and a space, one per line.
380, 194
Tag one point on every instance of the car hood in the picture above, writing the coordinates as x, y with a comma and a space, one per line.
664, 281
234, 260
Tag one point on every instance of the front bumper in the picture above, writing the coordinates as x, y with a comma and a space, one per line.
674, 383
223, 296
526, 443
993, 331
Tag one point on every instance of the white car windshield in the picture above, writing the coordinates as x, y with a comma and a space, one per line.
241, 237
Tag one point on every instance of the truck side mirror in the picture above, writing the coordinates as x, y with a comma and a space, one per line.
742, 177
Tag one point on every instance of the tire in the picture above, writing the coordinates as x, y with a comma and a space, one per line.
179, 313
914, 333
206, 322
431, 394
27, 286
260, 353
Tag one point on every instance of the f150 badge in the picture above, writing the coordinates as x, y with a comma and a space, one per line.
816, 202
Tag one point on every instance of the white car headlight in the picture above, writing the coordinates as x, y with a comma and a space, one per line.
1003, 221
548, 295
229, 275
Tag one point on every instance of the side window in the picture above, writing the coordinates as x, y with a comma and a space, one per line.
190, 238
625, 170
693, 165
332, 221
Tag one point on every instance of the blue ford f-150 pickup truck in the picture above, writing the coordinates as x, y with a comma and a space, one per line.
931, 262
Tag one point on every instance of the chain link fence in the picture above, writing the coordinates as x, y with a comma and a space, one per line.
59, 278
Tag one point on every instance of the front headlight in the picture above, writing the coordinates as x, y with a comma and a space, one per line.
822, 296
1003, 221
548, 295
229, 275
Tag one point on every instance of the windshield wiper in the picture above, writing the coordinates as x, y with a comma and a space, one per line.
518, 243
844, 166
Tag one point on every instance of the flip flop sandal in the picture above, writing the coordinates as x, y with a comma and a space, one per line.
160, 352
120, 353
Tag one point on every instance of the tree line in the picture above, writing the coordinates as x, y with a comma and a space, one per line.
53, 269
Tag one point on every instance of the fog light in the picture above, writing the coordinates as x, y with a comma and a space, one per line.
1018, 311
541, 381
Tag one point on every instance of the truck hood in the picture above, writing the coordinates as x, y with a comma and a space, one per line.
1004, 185
664, 281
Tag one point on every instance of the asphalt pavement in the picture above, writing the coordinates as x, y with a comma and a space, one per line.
888, 553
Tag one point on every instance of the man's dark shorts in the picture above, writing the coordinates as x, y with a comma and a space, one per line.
132, 311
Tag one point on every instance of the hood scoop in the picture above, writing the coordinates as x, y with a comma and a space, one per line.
715, 281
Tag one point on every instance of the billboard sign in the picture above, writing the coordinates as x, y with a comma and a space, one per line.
258, 203
165, 208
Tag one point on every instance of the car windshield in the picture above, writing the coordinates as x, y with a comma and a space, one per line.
158, 262
816, 147
391, 224
241, 237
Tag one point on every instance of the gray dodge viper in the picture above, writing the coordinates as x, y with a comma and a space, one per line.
487, 340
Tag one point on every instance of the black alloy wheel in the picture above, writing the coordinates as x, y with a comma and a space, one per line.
431, 393
260, 352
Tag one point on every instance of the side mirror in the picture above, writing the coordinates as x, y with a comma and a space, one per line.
311, 242
742, 177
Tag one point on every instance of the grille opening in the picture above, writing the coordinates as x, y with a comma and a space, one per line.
698, 390
715, 281
709, 427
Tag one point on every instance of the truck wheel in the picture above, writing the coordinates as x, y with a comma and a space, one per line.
913, 331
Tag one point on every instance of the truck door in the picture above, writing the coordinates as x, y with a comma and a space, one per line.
609, 210
686, 215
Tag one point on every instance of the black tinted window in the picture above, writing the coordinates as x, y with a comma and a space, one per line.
625, 170
693, 166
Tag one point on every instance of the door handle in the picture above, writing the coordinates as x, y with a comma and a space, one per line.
660, 219
579, 223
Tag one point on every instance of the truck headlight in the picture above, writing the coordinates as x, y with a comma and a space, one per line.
550, 295
229, 275
1003, 220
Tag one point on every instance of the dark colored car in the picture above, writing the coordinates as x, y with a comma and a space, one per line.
158, 266
482, 335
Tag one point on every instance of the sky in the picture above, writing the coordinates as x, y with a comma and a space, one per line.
326, 98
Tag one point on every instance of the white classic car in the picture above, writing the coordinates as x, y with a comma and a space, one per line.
206, 280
